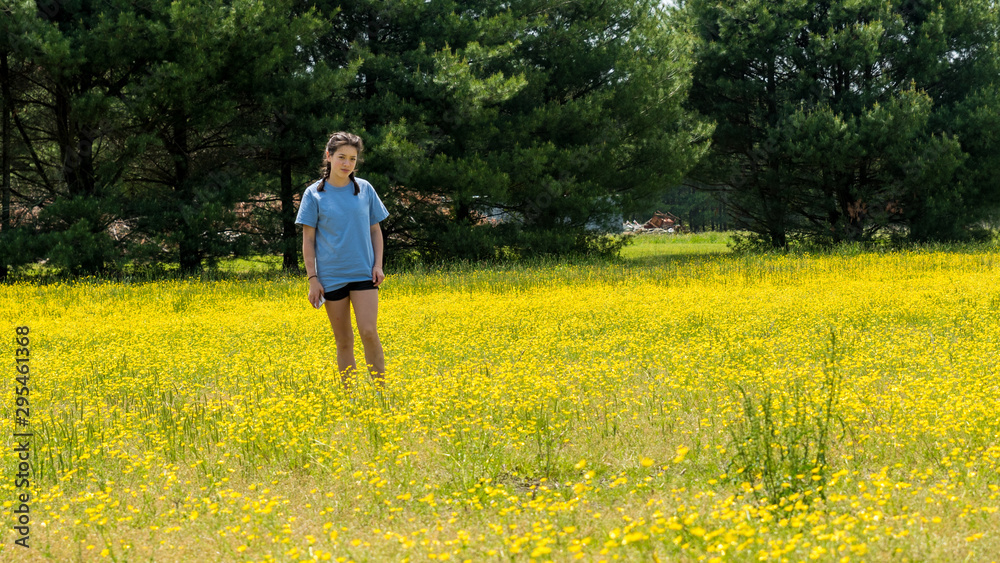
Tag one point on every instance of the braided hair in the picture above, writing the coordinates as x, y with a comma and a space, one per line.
337, 140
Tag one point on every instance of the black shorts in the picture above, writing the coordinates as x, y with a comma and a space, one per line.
342, 292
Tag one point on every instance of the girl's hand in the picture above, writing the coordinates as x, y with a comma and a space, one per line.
315, 292
377, 276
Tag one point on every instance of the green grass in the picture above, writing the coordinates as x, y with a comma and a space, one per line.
651, 247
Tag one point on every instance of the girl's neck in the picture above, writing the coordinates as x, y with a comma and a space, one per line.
338, 182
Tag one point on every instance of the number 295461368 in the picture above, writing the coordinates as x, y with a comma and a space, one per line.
22, 359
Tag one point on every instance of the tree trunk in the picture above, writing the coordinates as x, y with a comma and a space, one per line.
5, 212
289, 238
189, 245
76, 144
463, 213
778, 239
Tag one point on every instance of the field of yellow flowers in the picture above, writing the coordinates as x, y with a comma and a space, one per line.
689, 408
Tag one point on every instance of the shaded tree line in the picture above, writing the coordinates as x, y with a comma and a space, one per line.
148, 132
848, 121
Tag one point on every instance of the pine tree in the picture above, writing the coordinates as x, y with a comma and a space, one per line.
832, 116
517, 126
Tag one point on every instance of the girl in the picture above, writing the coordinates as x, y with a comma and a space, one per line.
342, 248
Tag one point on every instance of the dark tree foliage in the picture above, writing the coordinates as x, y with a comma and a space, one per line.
500, 129
134, 125
152, 131
144, 131
216, 70
60, 178
844, 120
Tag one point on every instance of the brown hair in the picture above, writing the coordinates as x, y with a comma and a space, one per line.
337, 140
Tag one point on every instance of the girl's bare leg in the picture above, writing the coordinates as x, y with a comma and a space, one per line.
366, 314
339, 313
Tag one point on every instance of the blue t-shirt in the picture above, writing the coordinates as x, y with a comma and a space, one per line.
343, 223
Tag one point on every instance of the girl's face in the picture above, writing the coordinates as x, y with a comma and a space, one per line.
342, 163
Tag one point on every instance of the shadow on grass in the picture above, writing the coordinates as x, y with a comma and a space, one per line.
675, 256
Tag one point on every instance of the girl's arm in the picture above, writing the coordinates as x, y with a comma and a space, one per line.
377, 274
309, 256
